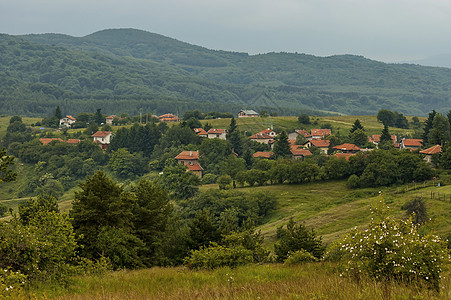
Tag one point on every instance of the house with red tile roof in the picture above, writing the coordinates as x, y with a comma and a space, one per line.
322, 145
73, 141
262, 138
103, 138
216, 133
109, 119
191, 160
200, 132
318, 134
431, 151
263, 154
297, 152
376, 138
168, 118
412, 144
296, 133
67, 121
347, 148
269, 132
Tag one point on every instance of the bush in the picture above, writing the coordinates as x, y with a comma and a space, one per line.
215, 256
209, 178
299, 257
393, 250
224, 182
11, 284
353, 181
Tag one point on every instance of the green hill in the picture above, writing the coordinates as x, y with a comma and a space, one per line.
128, 70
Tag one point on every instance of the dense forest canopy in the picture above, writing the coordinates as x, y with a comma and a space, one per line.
130, 71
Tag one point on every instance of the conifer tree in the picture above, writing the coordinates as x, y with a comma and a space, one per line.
281, 146
428, 127
58, 113
356, 125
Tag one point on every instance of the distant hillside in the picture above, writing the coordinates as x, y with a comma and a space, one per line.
128, 70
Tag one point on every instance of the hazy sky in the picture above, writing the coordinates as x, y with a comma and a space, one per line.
387, 30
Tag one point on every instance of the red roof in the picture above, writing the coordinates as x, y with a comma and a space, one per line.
412, 142
300, 151
344, 155
263, 154
303, 132
432, 150
185, 155
73, 141
194, 167
377, 138
70, 117
320, 143
45, 141
216, 131
200, 131
262, 136
321, 132
101, 134
111, 117
267, 131
347, 147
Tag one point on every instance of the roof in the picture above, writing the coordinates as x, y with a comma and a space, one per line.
73, 141
412, 142
167, 116
299, 151
263, 136
263, 154
432, 150
194, 155
249, 112
320, 143
71, 118
111, 117
101, 134
45, 141
321, 132
194, 167
303, 133
200, 131
267, 131
347, 147
344, 155
216, 131
377, 138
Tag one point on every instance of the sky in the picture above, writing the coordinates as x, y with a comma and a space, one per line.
384, 30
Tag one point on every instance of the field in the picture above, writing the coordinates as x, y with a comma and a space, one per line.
275, 281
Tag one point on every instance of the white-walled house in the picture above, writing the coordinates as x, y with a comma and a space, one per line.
67, 121
103, 138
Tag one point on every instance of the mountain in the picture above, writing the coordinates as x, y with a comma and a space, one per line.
441, 60
129, 70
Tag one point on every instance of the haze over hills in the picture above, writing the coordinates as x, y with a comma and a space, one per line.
129, 70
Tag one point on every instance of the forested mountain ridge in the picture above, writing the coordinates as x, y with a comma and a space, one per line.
129, 70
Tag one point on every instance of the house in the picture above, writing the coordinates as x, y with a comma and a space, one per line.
299, 153
263, 154
247, 113
376, 138
109, 119
46, 141
347, 148
67, 121
344, 155
103, 138
262, 138
269, 132
191, 160
73, 141
168, 118
431, 151
412, 144
217, 133
322, 145
200, 132
319, 134
296, 133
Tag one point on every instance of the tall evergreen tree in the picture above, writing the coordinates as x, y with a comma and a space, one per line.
58, 113
281, 146
428, 127
356, 125
385, 136
98, 117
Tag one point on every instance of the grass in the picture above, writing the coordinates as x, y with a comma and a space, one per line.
274, 281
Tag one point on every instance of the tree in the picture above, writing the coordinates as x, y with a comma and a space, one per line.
232, 166
296, 237
58, 113
304, 119
355, 126
281, 146
178, 182
385, 135
6, 173
358, 137
417, 210
224, 182
428, 126
385, 116
439, 134
98, 117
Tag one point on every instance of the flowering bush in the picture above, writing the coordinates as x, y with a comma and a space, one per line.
11, 284
215, 256
393, 249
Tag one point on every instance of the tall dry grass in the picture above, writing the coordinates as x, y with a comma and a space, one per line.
273, 281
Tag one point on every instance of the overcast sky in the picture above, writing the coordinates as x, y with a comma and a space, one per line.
386, 30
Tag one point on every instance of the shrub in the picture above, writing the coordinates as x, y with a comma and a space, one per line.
393, 249
224, 182
11, 284
417, 210
353, 181
215, 256
209, 178
299, 257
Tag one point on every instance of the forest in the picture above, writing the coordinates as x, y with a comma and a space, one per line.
135, 71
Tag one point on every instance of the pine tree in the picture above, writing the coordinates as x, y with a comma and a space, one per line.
355, 126
385, 136
428, 127
58, 113
281, 146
